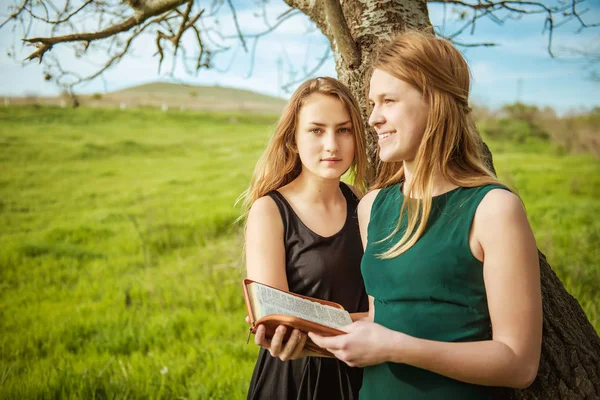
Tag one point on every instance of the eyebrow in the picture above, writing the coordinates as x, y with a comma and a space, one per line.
322, 124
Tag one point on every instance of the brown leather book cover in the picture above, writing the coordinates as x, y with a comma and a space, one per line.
272, 321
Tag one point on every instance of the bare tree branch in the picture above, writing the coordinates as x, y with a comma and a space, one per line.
61, 20
271, 28
120, 22
15, 14
116, 57
142, 13
185, 25
322, 60
175, 38
462, 44
290, 13
341, 33
578, 16
237, 26
591, 57
487, 8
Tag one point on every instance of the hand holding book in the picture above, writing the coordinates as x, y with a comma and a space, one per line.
292, 349
271, 307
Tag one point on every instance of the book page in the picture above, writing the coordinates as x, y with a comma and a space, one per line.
273, 301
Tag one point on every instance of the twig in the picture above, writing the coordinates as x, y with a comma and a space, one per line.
15, 14
488, 8
312, 72
237, 26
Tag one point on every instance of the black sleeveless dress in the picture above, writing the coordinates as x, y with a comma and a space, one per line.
327, 268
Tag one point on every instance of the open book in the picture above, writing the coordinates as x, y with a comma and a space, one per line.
273, 307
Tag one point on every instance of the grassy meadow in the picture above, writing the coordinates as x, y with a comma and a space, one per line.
120, 263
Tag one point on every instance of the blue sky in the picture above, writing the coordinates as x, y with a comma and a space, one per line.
519, 68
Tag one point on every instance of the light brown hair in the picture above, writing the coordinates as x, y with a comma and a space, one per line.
450, 145
280, 163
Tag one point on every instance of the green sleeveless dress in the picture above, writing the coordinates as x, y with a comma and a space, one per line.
434, 291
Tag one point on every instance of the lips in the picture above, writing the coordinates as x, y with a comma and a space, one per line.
331, 159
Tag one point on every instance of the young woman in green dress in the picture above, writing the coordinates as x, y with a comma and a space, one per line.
450, 264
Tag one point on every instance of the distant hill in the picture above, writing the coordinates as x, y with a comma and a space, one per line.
212, 92
174, 95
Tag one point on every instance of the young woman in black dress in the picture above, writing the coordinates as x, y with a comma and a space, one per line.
302, 234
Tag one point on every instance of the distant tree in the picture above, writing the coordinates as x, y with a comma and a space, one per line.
570, 365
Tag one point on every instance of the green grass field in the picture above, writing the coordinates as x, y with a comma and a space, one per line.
120, 266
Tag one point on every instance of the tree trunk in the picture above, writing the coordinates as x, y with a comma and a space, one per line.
570, 363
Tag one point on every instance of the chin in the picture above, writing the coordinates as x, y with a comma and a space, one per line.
394, 155
331, 176
390, 158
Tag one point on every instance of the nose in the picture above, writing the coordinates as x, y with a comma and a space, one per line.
376, 118
331, 141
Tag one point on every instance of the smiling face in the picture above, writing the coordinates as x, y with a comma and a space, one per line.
324, 137
399, 116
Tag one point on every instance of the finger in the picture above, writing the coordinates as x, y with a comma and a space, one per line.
247, 319
260, 338
299, 347
329, 343
290, 346
277, 340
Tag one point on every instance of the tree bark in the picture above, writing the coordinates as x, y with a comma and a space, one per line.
570, 362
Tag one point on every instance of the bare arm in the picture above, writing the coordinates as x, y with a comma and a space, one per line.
265, 251
265, 263
364, 216
512, 281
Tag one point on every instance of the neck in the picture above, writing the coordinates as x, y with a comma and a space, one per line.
316, 189
440, 184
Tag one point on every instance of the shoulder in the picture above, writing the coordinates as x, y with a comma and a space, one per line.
500, 212
366, 204
265, 211
263, 206
369, 198
499, 203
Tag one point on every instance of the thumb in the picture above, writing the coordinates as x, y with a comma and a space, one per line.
351, 327
319, 340
314, 337
325, 342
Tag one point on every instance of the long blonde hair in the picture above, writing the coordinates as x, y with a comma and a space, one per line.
280, 163
450, 143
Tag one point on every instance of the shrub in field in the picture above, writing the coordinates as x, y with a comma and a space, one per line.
526, 125
516, 130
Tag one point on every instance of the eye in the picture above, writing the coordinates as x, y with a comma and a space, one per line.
388, 101
344, 130
316, 131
